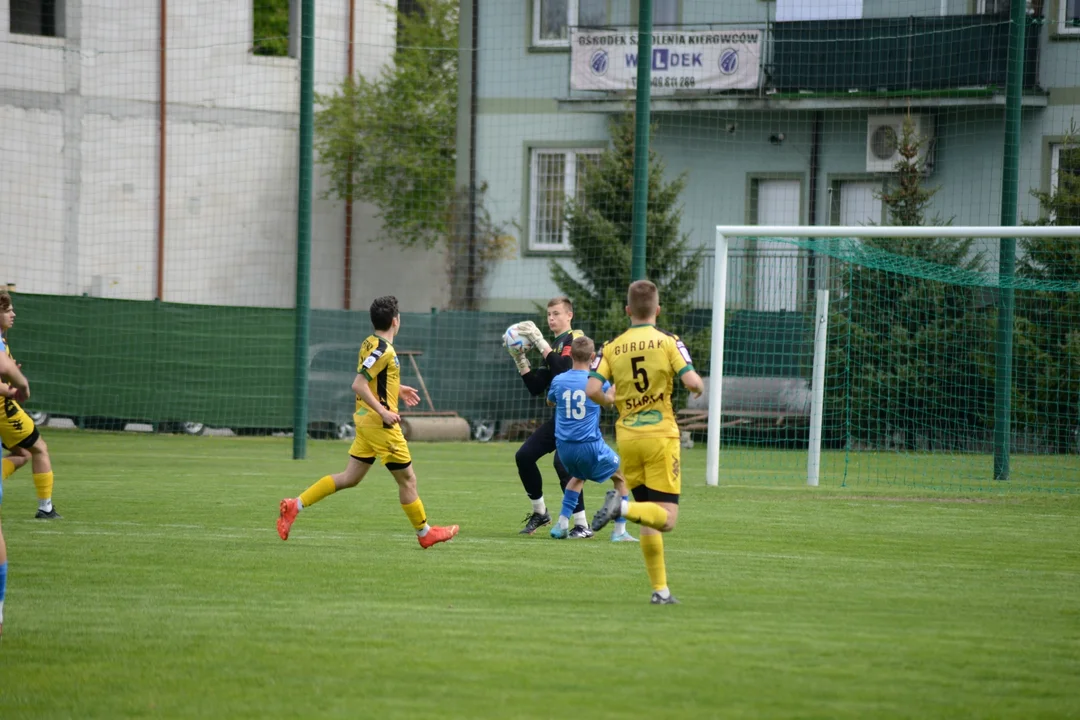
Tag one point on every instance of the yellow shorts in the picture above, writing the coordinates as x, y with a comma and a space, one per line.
16, 427
652, 462
387, 444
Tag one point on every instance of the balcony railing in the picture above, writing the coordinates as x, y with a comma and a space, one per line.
895, 54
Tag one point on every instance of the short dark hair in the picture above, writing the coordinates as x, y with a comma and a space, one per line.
5, 301
383, 311
562, 299
643, 298
582, 348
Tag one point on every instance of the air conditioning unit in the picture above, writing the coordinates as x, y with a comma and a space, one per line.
883, 136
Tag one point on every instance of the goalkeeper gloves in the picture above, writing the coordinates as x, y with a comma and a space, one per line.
522, 363
529, 330
520, 360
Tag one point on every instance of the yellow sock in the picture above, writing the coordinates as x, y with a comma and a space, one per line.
43, 482
647, 514
322, 489
652, 547
9, 467
415, 511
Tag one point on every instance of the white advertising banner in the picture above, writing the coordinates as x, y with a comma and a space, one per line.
681, 60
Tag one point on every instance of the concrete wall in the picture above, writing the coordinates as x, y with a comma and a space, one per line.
79, 152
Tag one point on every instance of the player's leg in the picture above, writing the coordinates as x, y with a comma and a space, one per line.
41, 466
618, 531
571, 497
652, 473
539, 444
657, 511
579, 521
19, 456
652, 550
428, 535
361, 458
3, 566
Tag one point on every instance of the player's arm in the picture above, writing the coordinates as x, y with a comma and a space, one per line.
560, 362
679, 357
409, 395
17, 386
537, 380
363, 390
594, 390
598, 382
693, 382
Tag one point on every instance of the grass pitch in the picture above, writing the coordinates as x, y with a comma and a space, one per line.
165, 592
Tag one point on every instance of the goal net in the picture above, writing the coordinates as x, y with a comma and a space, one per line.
878, 352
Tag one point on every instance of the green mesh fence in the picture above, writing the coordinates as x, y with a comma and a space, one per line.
474, 159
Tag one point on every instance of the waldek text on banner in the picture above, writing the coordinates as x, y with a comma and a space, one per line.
687, 60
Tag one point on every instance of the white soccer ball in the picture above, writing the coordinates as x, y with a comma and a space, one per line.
516, 341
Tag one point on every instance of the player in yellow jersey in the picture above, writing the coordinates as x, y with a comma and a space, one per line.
642, 364
377, 386
18, 433
13, 386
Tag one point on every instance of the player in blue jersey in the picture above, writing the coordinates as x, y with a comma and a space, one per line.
577, 436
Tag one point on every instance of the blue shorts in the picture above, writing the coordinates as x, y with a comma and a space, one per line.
589, 461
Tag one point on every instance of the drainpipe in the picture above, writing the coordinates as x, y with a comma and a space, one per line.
815, 167
346, 302
162, 43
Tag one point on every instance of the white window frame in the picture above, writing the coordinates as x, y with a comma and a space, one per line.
573, 8
569, 186
571, 12
1055, 161
1063, 26
980, 7
60, 9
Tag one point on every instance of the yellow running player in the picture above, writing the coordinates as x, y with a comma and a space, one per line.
17, 431
14, 388
642, 364
377, 386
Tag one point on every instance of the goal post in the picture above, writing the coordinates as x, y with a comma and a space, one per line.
913, 396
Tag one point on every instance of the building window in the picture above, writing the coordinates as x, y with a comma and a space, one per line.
664, 12
554, 175
1068, 17
552, 19
780, 270
37, 17
857, 202
270, 28
407, 8
1004, 7
1065, 179
992, 7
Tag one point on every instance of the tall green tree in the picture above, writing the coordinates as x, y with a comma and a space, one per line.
1046, 365
390, 141
599, 226
904, 341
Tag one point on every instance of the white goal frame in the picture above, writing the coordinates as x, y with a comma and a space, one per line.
716, 375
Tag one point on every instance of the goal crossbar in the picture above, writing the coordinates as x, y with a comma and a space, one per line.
881, 231
725, 232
